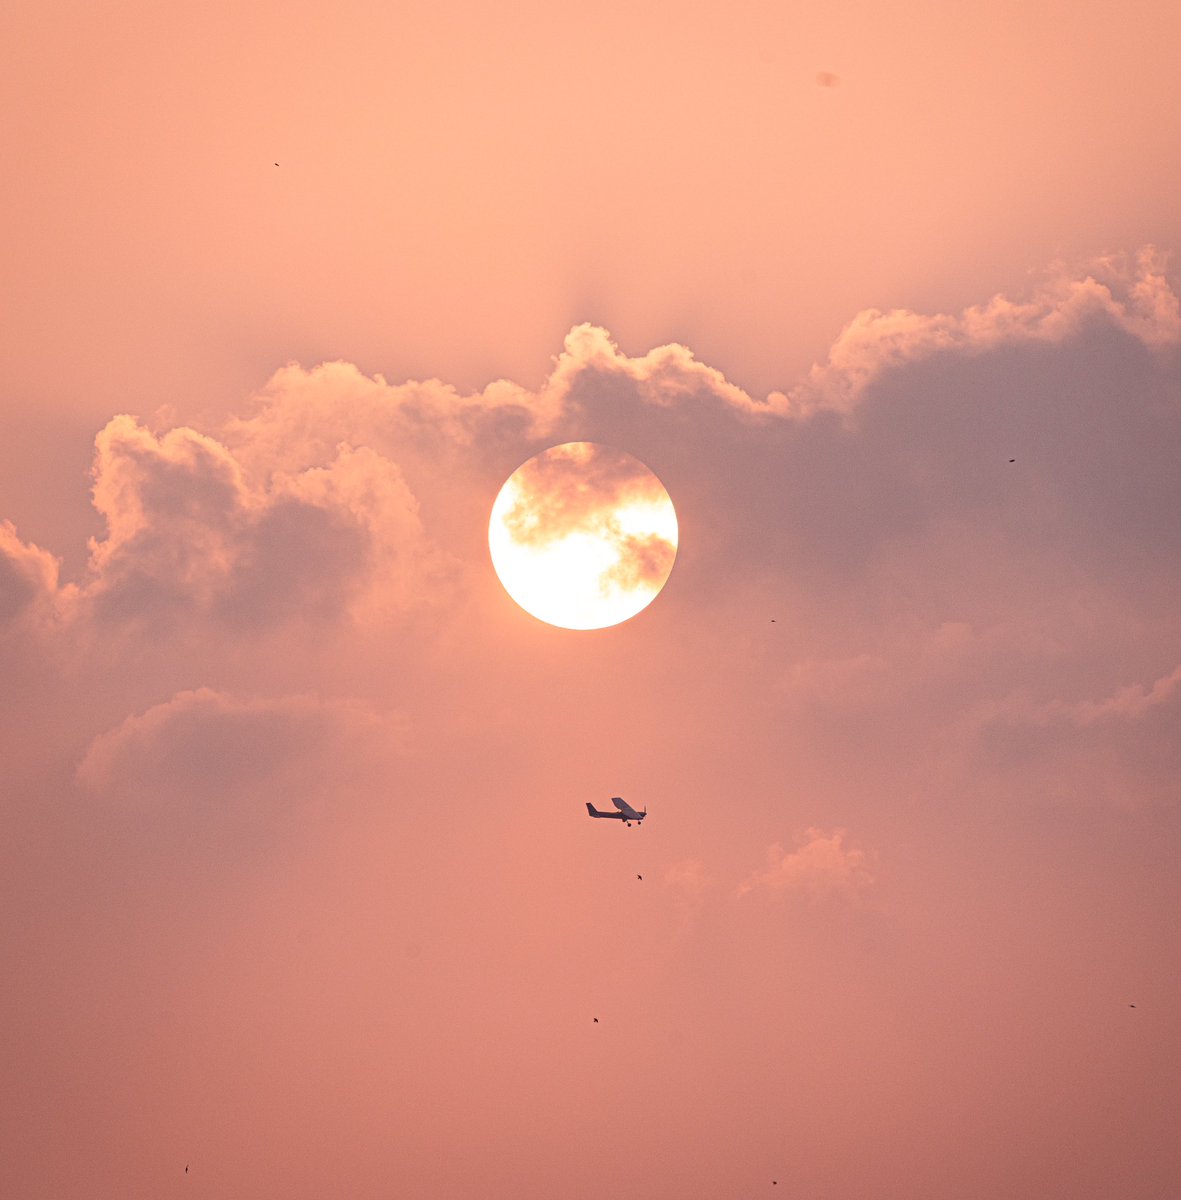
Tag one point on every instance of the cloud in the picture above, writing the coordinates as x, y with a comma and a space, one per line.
821, 867
1132, 295
336, 493
664, 376
205, 754
918, 580
189, 533
588, 488
1119, 751
917, 574
301, 414
28, 580
576, 487
689, 877
1130, 703
644, 560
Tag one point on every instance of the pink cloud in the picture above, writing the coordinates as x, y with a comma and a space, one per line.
190, 532
1130, 703
1133, 295
821, 867
299, 417
208, 751
28, 580
689, 877
662, 376
1119, 751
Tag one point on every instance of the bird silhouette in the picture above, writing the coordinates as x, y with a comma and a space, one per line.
639, 877
596, 1020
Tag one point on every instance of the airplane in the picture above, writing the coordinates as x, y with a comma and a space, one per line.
626, 813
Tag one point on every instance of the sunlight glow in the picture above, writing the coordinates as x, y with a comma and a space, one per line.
583, 536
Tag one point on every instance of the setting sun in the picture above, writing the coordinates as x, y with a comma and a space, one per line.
583, 536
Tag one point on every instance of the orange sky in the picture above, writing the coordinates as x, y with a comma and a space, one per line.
298, 886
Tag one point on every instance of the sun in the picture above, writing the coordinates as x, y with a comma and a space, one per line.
583, 536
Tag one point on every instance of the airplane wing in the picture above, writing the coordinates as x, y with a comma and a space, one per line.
625, 808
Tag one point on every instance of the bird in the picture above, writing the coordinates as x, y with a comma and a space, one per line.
186, 1168
276, 164
1131, 1006
596, 1020
640, 877
1012, 460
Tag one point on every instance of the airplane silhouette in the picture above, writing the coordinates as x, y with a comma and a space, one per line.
626, 813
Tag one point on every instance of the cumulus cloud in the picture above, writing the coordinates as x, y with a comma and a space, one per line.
1133, 295
301, 414
1120, 750
821, 867
1130, 293
205, 752
28, 580
665, 375
188, 532
313, 501
1130, 703
915, 574
688, 876
918, 575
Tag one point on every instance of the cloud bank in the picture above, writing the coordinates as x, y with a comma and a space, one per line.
286, 725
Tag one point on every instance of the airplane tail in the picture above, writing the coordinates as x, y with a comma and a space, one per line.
594, 812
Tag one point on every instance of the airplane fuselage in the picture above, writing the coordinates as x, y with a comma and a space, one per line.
627, 816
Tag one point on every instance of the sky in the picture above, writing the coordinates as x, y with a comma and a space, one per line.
297, 885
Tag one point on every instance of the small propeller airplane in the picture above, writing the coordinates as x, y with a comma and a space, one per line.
626, 813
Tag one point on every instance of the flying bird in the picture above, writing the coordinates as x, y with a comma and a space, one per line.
596, 1020
640, 877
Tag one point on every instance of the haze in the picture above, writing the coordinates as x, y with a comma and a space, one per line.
298, 884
